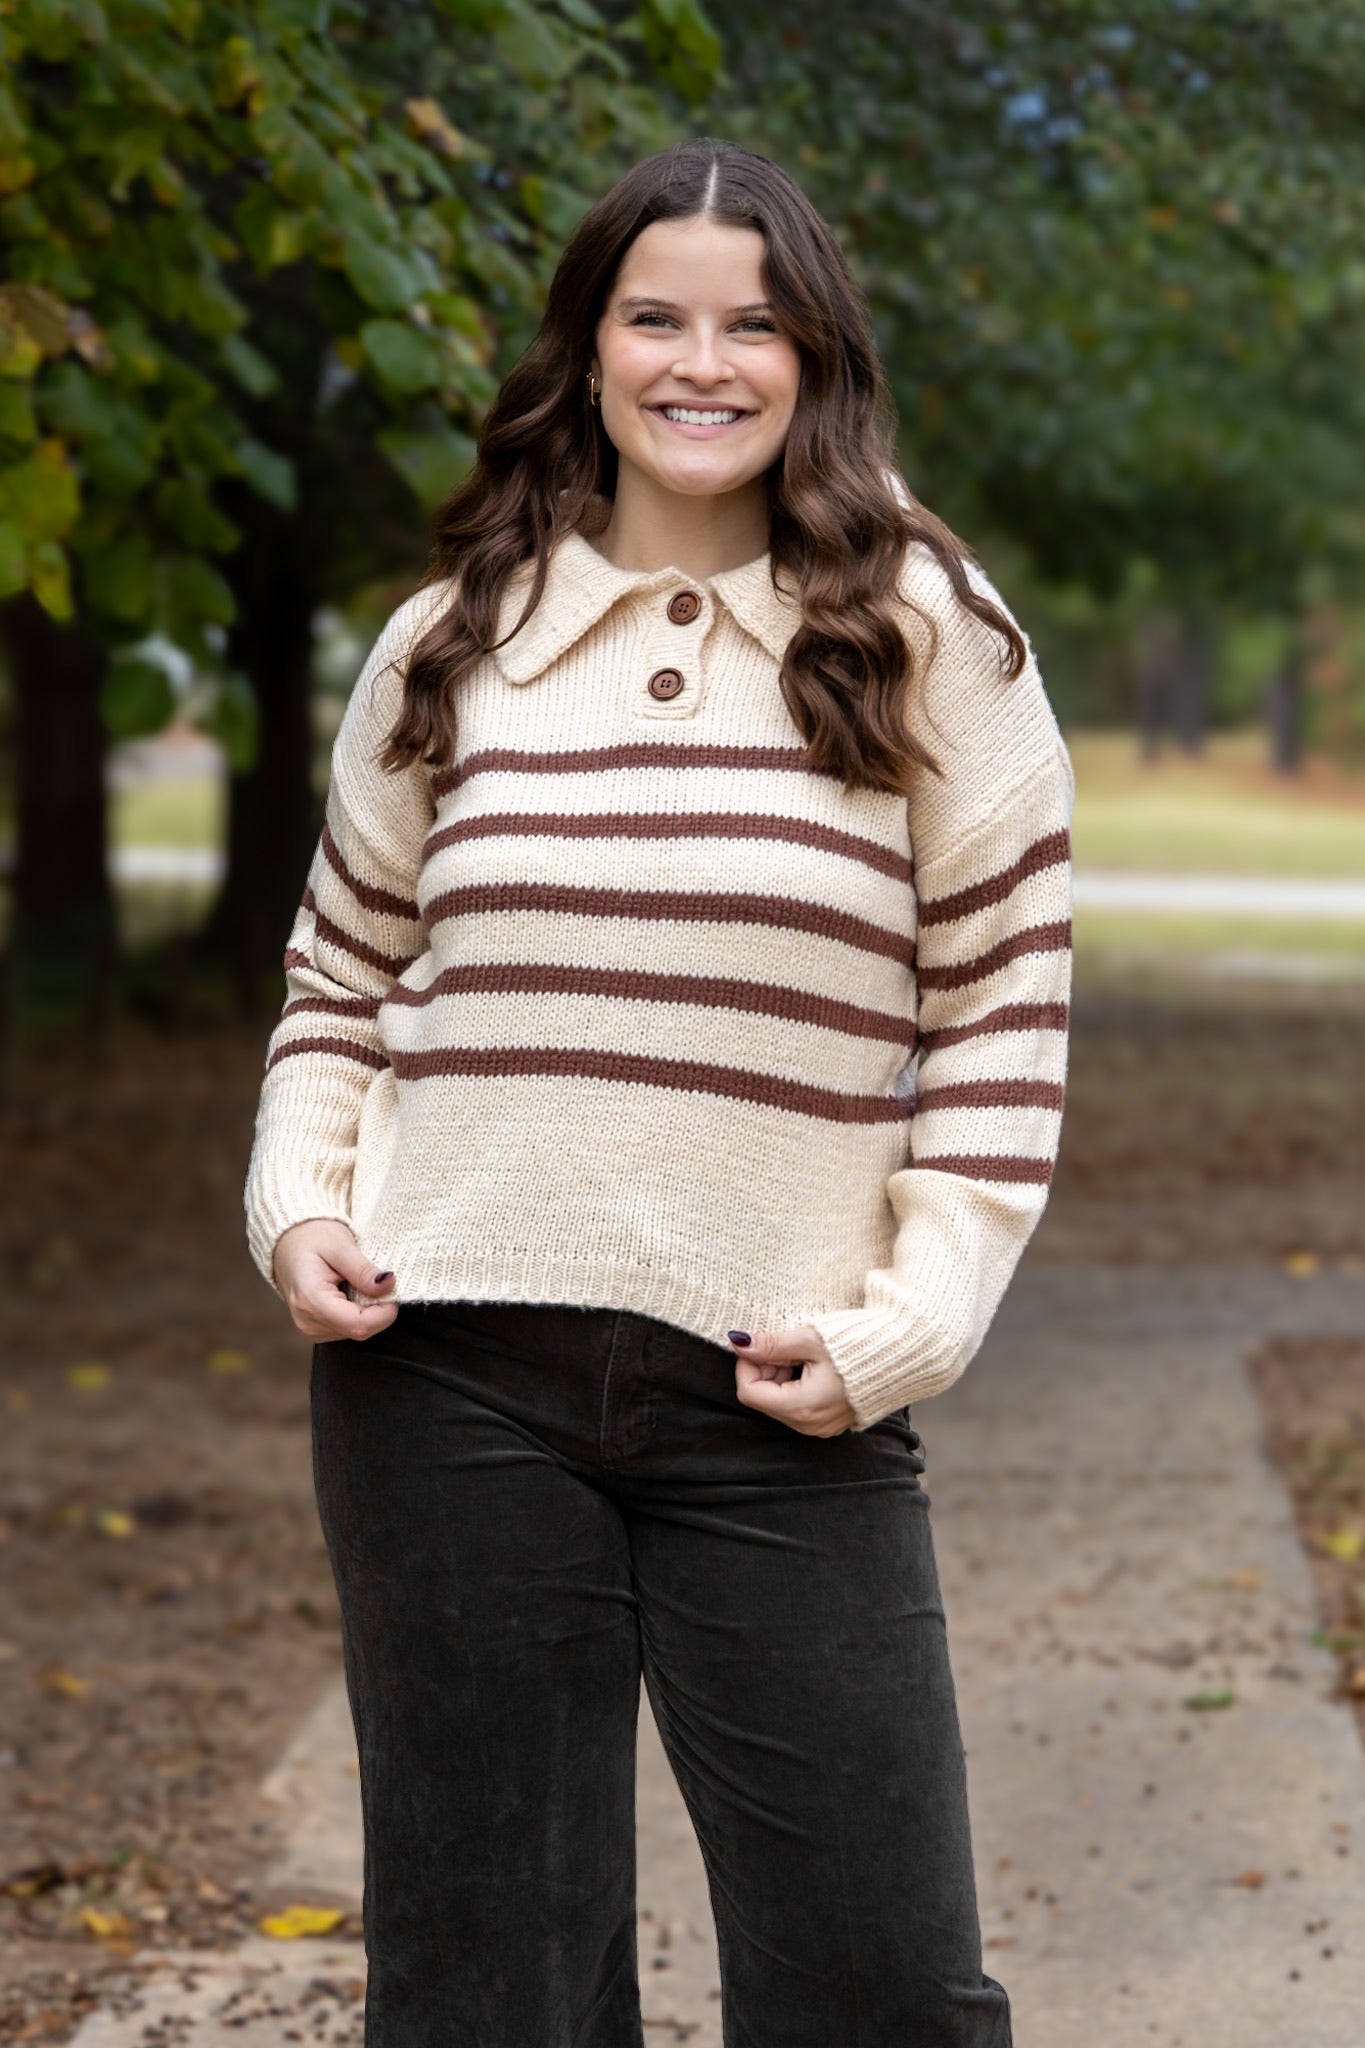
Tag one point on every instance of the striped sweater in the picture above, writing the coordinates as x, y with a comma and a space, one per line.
627, 1006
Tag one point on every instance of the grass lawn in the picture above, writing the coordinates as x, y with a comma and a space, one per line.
1223, 814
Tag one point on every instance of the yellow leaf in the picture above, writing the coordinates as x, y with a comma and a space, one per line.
1244, 1582
296, 1921
227, 1360
88, 1378
57, 1679
114, 1522
1302, 1264
1343, 1544
430, 125
105, 1925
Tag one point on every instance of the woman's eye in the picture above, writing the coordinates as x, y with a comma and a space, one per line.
763, 326
650, 319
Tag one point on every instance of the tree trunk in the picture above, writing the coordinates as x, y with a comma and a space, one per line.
1191, 680
1284, 708
64, 943
1154, 655
273, 814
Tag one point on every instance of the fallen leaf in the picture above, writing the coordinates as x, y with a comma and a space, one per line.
1344, 1544
34, 1879
1205, 1702
114, 1522
105, 1925
1250, 1880
1302, 1264
88, 1378
297, 1921
227, 1360
1245, 1582
1355, 1684
55, 1678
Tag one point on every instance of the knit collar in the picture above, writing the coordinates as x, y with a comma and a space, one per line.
581, 586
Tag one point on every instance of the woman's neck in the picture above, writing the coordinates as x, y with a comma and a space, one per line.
652, 528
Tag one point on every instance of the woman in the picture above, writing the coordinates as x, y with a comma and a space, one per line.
699, 824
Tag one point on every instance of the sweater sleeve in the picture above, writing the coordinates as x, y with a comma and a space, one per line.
991, 846
356, 929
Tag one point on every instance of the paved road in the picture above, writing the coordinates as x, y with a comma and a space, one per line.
1220, 895
1112, 1540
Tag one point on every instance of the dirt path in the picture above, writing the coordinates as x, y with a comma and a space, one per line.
166, 1616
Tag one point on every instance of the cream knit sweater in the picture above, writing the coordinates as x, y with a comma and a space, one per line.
628, 1007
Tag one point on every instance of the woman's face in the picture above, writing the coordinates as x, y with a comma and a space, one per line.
698, 383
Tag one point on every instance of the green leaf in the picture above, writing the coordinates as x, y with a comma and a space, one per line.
1209, 1702
118, 579
136, 698
432, 460
380, 276
193, 594
534, 45
271, 234
18, 421
41, 495
233, 719
270, 475
254, 372
13, 561
186, 509
407, 359
49, 575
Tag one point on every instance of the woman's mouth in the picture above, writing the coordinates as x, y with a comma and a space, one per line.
701, 421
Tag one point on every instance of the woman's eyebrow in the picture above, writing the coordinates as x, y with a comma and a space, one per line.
671, 305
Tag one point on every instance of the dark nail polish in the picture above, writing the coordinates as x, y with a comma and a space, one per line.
380, 1278
740, 1337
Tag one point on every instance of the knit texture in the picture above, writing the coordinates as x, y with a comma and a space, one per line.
627, 1006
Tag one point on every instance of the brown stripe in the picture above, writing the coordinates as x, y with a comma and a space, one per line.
989, 1166
1008, 1017
631, 754
671, 825
1052, 852
695, 1076
358, 950
345, 1048
332, 1006
367, 893
780, 912
294, 958
1036, 938
709, 991
308, 901
992, 1095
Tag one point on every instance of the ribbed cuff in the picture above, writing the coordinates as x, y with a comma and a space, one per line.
888, 1358
269, 1216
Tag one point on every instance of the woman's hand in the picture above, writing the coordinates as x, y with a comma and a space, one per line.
766, 1365
313, 1262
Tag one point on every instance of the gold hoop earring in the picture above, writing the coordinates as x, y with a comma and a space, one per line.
594, 390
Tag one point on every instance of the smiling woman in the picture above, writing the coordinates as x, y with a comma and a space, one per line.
677, 1021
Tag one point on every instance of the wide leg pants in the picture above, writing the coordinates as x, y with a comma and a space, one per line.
528, 1508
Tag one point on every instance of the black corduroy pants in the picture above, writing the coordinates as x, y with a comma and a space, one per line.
527, 1508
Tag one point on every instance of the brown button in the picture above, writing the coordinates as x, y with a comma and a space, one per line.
683, 608
664, 683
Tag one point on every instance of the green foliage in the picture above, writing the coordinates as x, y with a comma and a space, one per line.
164, 162
1114, 259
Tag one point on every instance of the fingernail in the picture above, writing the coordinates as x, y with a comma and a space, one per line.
740, 1337
380, 1278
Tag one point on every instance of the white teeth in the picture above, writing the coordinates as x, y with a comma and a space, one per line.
692, 418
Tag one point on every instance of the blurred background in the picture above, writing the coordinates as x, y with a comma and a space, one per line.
261, 269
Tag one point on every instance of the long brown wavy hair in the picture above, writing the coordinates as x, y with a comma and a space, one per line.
838, 530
